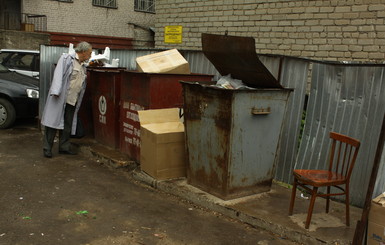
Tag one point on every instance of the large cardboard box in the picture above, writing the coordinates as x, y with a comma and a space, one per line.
169, 61
376, 223
162, 149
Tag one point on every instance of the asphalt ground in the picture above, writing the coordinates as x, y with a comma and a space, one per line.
81, 200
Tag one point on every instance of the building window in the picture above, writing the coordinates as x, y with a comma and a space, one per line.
105, 3
145, 6
67, 1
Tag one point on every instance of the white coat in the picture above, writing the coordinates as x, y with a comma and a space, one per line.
53, 113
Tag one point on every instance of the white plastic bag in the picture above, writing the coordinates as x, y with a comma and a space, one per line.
228, 82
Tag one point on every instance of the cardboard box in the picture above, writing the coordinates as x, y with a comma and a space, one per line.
27, 27
170, 61
162, 147
376, 222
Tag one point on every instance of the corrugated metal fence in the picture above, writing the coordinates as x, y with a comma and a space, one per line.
347, 98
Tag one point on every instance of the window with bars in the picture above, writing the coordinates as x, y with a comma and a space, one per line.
105, 3
147, 6
67, 1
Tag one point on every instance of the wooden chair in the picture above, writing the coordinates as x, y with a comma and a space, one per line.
343, 154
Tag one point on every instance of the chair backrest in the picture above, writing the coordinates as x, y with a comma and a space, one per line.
343, 154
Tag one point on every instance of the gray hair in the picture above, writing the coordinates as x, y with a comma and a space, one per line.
82, 46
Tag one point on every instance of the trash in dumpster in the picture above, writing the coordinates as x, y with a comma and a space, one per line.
95, 63
169, 61
97, 60
100, 60
228, 82
162, 153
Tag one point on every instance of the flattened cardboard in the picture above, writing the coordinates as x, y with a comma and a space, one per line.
162, 152
376, 222
169, 61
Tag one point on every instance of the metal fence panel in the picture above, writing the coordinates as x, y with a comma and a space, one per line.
349, 100
294, 74
272, 63
127, 58
200, 64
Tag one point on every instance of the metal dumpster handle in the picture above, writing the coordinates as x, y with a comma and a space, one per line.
260, 111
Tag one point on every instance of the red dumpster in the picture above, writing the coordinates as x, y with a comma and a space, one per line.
85, 111
106, 84
142, 91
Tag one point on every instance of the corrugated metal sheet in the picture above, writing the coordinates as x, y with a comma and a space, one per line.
127, 58
200, 64
294, 74
344, 98
272, 63
349, 100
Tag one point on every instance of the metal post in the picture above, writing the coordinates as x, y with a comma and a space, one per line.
361, 224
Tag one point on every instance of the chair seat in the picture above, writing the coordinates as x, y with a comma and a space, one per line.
319, 177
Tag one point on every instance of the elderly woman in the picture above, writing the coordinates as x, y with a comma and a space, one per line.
64, 99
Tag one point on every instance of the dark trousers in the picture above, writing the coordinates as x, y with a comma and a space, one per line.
64, 135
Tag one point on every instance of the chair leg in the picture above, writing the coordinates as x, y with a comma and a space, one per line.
347, 206
311, 206
328, 199
292, 199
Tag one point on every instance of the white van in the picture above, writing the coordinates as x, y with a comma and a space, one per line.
26, 62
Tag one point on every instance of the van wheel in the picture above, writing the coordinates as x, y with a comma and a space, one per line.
7, 114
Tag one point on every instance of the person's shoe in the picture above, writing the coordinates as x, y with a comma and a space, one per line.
47, 153
68, 152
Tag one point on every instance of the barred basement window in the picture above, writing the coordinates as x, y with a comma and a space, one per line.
145, 6
104, 3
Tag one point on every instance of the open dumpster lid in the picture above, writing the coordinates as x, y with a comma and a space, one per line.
236, 56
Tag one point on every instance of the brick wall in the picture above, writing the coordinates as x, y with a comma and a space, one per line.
351, 30
81, 17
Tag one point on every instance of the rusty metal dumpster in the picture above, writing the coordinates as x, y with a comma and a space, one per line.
142, 91
106, 83
232, 135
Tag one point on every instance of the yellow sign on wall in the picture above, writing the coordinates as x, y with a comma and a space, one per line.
173, 34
